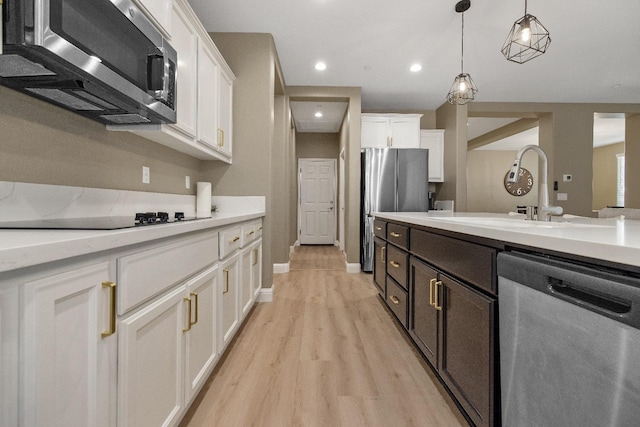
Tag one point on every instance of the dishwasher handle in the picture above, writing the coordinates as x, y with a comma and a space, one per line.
615, 296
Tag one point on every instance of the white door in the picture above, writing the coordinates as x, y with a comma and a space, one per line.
317, 201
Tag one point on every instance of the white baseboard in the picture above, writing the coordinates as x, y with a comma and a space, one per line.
266, 294
353, 267
280, 268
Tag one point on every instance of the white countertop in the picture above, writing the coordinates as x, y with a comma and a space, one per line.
615, 240
24, 248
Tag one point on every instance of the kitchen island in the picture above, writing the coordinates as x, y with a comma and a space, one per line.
437, 273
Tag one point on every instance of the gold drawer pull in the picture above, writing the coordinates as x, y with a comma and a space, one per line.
220, 138
432, 282
394, 299
394, 234
379, 228
235, 239
437, 296
250, 233
195, 297
394, 264
383, 254
112, 309
255, 256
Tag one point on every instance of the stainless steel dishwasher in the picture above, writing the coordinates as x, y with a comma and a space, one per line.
569, 343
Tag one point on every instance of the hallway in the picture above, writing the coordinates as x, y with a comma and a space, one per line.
325, 352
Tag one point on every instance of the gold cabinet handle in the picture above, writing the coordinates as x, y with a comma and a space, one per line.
379, 228
188, 328
226, 281
235, 239
250, 233
112, 309
383, 254
394, 264
432, 283
437, 295
195, 298
394, 234
394, 299
260, 229
220, 138
255, 256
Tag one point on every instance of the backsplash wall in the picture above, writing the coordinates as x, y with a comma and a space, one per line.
44, 144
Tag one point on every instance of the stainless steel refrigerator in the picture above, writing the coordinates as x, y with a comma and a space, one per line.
392, 180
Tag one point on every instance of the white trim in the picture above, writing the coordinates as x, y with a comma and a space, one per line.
266, 294
280, 268
353, 267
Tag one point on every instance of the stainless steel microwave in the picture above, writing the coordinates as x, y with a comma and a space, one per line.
102, 59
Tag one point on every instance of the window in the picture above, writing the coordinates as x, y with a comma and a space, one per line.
620, 181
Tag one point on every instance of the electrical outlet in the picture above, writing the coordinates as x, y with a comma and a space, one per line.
567, 177
146, 175
187, 182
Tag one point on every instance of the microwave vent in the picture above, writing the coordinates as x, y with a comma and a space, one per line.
18, 66
125, 119
64, 98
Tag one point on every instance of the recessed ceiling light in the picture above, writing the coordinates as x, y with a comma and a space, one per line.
318, 114
415, 68
321, 66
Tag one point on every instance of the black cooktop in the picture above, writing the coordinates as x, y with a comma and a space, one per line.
147, 219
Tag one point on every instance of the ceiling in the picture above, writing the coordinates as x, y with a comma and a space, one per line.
371, 44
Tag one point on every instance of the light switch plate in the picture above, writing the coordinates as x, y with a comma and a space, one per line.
567, 177
563, 196
187, 182
146, 175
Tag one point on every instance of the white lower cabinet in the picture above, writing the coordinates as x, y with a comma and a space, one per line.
166, 351
256, 268
229, 307
68, 355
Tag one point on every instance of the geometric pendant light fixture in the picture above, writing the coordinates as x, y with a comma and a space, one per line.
528, 39
463, 89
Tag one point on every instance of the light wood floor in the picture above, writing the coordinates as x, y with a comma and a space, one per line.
325, 352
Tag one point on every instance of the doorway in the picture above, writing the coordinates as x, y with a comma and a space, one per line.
316, 201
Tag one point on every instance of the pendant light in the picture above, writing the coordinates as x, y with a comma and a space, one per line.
528, 39
463, 89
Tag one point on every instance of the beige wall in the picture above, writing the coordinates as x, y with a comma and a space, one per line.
605, 175
41, 143
317, 145
453, 119
486, 192
632, 162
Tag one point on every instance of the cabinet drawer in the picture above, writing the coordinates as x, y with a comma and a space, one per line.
380, 228
230, 240
149, 272
250, 232
397, 265
397, 301
398, 235
468, 261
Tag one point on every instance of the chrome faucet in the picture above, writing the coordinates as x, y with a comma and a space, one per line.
544, 209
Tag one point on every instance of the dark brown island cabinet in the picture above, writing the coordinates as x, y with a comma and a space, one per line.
443, 291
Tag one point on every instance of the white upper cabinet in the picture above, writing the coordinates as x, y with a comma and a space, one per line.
433, 139
390, 130
204, 93
159, 12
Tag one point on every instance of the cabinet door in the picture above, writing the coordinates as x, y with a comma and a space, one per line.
374, 132
433, 140
467, 356
380, 265
9, 356
208, 72
246, 290
225, 115
159, 12
230, 307
150, 359
423, 313
201, 343
185, 41
68, 366
405, 132
256, 268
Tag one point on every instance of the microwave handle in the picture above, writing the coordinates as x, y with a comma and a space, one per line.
155, 72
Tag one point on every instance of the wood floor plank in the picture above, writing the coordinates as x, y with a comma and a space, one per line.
325, 352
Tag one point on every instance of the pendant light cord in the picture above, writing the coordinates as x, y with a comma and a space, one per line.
525, 7
462, 56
